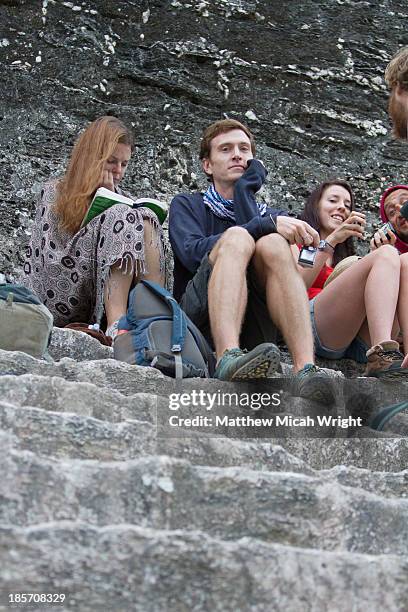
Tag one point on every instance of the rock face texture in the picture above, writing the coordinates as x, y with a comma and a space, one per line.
308, 80
101, 501
98, 498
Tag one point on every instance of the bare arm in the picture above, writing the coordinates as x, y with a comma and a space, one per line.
309, 275
352, 226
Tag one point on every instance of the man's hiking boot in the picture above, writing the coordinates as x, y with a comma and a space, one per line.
237, 364
313, 383
384, 361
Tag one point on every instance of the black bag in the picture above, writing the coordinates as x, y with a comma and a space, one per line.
159, 334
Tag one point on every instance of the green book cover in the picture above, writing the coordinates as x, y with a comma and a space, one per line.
157, 206
104, 199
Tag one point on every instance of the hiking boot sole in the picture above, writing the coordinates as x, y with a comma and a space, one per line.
317, 389
389, 374
260, 366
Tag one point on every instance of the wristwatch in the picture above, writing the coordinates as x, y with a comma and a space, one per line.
325, 246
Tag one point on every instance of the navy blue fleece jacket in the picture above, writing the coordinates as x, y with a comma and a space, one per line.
194, 229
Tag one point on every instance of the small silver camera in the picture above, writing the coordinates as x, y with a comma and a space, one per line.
307, 257
387, 229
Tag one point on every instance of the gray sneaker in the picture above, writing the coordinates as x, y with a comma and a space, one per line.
314, 384
237, 364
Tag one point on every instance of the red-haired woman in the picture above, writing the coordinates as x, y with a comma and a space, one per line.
82, 274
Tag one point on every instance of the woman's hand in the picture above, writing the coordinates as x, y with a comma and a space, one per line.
107, 180
353, 226
380, 238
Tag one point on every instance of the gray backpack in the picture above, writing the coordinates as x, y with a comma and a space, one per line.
25, 323
160, 335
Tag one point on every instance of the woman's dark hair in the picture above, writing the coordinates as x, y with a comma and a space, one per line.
310, 214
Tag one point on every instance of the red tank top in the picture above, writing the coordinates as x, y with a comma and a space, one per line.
321, 278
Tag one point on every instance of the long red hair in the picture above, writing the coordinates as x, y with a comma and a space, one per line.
84, 172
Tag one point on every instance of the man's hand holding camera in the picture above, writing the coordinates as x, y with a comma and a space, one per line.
382, 236
296, 231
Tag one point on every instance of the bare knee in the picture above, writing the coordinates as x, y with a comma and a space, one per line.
236, 242
273, 251
390, 253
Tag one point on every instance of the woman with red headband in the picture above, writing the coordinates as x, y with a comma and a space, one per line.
356, 314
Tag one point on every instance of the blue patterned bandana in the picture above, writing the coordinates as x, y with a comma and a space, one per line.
222, 208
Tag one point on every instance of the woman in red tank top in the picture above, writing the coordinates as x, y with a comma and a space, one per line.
363, 306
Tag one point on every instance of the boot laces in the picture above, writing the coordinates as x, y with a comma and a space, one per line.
393, 353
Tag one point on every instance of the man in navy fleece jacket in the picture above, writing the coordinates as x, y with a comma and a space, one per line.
234, 272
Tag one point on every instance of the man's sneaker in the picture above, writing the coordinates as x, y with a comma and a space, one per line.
314, 384
384, 361
237, 364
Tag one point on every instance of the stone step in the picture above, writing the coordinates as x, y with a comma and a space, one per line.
370, 453
76, 345
355, 396
69, 436
58, 394
312, 511
398, 423
386, 455
78, 436
72, 436
126, 568
81, 398
105, 373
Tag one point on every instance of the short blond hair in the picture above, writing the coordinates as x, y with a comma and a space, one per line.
396, 72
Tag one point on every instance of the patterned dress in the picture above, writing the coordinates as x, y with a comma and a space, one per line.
68, 272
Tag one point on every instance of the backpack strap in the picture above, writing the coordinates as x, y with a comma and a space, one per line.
382, 417
179, 327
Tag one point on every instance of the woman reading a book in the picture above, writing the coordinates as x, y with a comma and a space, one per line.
356, 310
82, 274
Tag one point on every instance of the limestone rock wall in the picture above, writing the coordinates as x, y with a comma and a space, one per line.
306, 77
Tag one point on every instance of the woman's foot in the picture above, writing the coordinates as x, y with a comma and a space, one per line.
384, 360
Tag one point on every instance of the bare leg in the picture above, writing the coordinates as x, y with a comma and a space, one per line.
364, 332
368, 289
152, 258
227, 288
116, 293
118, 284
285, 296
402, 307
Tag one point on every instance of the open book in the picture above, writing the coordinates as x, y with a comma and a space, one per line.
104, 199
